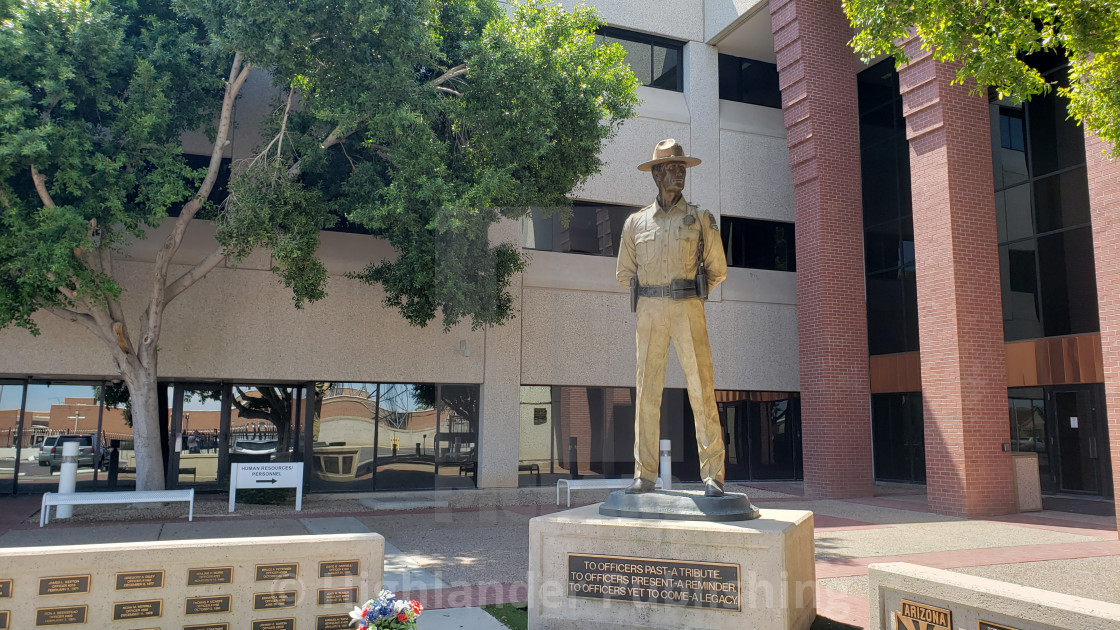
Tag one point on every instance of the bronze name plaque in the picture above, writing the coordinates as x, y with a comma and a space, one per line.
5, 588
271, 572
332, 622
338, 568
654, 581
987, 625
208, 604
274, 624
61, 615
914, 616
208, 626
5, 618
134, 580
280, 599
137, 610
348, 595
209, 575
64, 585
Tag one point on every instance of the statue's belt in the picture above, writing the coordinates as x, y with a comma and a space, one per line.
678, 289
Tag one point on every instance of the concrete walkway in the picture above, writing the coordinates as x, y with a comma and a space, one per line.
459, 557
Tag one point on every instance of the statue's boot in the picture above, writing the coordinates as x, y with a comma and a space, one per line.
640, 486
713, 488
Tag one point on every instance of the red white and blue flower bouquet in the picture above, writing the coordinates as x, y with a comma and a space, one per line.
387, 613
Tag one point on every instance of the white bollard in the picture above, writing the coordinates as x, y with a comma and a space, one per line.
667, 464
67, 477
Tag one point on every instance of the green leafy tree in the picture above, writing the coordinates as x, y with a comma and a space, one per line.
990, 40
423, 121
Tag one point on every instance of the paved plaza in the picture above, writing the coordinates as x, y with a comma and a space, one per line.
455, 551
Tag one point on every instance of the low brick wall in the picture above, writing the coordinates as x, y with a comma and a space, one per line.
933, 596
268, 583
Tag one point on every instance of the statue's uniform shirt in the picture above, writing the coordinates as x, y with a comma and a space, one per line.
658, 246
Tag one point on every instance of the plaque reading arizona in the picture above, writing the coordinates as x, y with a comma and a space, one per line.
693, 584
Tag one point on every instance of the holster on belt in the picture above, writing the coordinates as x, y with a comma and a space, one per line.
634, 294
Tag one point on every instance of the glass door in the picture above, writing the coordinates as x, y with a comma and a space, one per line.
1079, 435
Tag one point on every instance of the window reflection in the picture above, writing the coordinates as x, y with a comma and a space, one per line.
656, 61
888, 226
749, 81
758, 244
588, 229
11, 396
1027, 409
200, 435
1047, 269
589, 431
378, 436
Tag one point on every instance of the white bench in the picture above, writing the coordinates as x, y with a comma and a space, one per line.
578, 484
101, 498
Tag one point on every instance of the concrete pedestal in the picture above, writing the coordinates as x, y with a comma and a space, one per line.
592, 572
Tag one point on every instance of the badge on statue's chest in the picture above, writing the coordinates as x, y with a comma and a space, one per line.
689, 219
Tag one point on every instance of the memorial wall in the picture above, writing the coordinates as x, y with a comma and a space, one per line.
268, 583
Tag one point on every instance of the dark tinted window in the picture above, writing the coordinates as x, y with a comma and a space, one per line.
1042, 215
749, 81
898, 437
758, 244
888, 226
657, 61
589, 229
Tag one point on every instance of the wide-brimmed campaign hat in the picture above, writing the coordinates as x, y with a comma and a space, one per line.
668, 150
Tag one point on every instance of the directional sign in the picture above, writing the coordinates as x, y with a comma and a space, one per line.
266, 475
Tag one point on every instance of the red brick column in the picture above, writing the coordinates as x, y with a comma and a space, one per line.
960, 319
1104, 205
817, 74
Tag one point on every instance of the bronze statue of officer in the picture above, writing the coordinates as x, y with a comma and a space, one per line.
671, 256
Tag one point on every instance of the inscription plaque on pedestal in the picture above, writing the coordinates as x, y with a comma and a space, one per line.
284, 571
274, 624
338, 568
135, 580
987, 625
208, 626
61, 615
5, 617
654, 581
209, 575
267, 601
332, 622
137, 610
64, 585
5, 588
208, 604
329, 596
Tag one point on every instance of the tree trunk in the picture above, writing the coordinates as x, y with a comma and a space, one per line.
143, 388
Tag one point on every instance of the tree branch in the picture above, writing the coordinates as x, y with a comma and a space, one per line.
284, 125
154, 313
449, 90
334, 138
196, 273
41, 187
453, 73
84, 319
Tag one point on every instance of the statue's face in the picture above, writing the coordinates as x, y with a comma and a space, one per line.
669, 178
